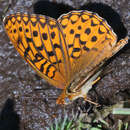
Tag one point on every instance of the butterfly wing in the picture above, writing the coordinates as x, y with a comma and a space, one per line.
89, 39
40, 41
66, 52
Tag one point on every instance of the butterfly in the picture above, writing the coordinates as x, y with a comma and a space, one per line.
68, 52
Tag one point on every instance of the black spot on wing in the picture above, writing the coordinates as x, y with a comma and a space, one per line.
79, 27
76, 49
44, 36
94, 39
28, 39
42, 66
92, 15
26, 51
35, 33
82, 42
14, 30
56, 46
50, 53
26, 30
70, 45
40, 48
38, 57
100, 32
20, 29
73, 22
92, 23
72, 31
77, 35
88, 31
53, 35
101, 22
86, 48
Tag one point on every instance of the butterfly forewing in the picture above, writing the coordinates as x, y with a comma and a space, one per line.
41, 43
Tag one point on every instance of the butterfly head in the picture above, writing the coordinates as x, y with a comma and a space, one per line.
68, 96
64, 98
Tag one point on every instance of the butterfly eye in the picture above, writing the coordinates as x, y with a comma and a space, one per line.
67, 100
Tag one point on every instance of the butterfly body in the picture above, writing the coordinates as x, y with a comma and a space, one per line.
68, 52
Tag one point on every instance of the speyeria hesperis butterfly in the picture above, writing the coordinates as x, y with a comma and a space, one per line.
68, 52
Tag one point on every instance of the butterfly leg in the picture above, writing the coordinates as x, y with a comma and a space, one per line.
96, 80
88, 100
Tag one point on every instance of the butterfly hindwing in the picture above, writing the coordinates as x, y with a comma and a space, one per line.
87, 37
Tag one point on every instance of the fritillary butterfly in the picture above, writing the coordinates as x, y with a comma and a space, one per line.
68, 52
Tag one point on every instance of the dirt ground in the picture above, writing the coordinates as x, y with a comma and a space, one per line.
37, 109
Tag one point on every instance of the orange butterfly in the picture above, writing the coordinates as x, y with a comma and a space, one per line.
68, 52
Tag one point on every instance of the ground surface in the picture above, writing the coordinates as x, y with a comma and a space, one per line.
38, 109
